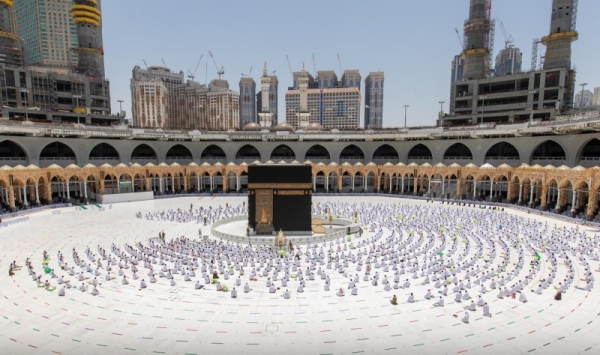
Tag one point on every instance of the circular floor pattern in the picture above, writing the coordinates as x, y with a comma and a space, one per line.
181, 320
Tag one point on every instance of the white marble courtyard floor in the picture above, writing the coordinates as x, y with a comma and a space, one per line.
181, 320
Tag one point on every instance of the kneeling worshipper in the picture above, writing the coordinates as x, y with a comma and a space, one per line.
394, 300
234, 293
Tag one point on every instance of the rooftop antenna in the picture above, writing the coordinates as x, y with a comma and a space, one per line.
314, 64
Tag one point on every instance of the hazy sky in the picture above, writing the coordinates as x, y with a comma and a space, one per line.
413, 42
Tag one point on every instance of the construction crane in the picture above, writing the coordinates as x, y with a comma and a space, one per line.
534, 54
165, 64
143, 60
221, 71
340, 64
509, 41
249, 73
574, 15
460, 41
314, 64
289, 65
191, 75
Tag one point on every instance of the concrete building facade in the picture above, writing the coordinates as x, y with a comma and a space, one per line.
9, 40
49, 33
61, 78
517, 97
374, 100
583, 99
328, 102
149, 103
508, 61
247, 101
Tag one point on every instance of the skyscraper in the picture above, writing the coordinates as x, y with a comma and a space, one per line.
477, 32
90, 50
508, 61
9, 41
562, 34
247, 101
374, 100
49, 33
327, 101
264, 114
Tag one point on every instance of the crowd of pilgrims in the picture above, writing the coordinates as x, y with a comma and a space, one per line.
199, 215
428, 251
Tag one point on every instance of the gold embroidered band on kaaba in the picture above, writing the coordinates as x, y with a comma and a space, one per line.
268, 185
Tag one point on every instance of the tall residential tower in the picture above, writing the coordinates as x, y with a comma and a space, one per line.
374, 100
247, 101
9, 41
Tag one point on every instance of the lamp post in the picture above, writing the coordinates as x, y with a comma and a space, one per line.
405, 108
120, 107
532, 92
482, 106
442, 112
581, 98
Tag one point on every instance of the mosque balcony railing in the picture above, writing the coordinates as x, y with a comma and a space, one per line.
104, 158
458, 158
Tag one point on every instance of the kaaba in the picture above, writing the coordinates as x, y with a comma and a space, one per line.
279, 198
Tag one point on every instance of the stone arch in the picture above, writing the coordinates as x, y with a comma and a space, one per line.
143, 153
102, 153
385, 153
57, 153
502, 151
458, 151
180, 154
419, 152
282, 152
248, 152
352, 153
318, 153
12, 152
319, 182
213, 153
589, 153
548, 150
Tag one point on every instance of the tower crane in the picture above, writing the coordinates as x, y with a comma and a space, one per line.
460, 40
340, 64
191, 75
509, 41
289, 65
249, 73
221, 71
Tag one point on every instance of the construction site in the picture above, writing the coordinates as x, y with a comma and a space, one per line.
481, 94
37, 93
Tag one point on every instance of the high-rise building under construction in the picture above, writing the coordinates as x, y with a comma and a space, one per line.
60, 75
513, 96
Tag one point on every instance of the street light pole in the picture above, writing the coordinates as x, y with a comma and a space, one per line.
581, 98
405, 107
120, 106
